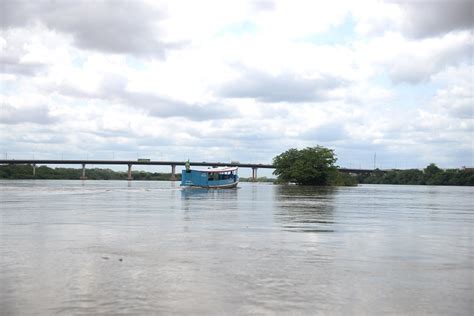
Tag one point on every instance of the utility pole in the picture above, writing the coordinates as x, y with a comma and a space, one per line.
375, 159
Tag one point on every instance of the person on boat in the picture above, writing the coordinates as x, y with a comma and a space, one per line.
187, 166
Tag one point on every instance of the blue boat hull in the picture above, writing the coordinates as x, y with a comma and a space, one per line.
202, 179
223, 186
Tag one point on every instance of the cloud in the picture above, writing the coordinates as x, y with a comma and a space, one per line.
458, 101
414, 61
39, 114
328, 132
12, 56
433, 18
16, 67
264, 5
160, 106
283, 87
415, 19
122, 27
114, 90
455, 97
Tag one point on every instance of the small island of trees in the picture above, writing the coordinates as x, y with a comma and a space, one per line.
310, 166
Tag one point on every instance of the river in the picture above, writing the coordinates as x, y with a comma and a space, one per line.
135, 248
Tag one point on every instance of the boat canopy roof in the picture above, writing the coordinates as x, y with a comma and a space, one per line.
217, 169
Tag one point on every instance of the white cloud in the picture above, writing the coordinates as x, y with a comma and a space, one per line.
434, 18
456, 98
39, 114
413, 18
414, 61
106, 26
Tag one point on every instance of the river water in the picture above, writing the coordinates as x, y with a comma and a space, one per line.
117, 247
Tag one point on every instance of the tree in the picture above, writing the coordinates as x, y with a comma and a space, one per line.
309, 166
432, 169
433, 175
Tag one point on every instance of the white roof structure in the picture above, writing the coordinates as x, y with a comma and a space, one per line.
217, 169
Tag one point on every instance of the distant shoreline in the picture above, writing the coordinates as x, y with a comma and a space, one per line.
449, 177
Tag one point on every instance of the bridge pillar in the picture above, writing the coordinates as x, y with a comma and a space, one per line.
83, 176
254, 174
173, 173
129, 178
34, 170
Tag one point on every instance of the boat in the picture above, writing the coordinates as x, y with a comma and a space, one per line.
212, 178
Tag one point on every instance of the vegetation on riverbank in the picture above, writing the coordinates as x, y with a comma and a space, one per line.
44, 172
431, 175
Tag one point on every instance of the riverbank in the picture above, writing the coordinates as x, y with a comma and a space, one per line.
44, 172
432, 175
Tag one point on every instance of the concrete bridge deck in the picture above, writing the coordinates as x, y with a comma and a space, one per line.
130, 163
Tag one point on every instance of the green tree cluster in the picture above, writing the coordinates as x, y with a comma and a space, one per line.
310, 166
431, 175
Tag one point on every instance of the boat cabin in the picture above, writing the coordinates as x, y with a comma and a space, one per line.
222, 177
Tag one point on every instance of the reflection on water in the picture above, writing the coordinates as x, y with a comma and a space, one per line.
213, 194
109, 247
305, 209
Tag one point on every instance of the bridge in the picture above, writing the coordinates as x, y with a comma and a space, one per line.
173, 164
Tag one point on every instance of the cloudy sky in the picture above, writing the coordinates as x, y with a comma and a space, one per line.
236, 80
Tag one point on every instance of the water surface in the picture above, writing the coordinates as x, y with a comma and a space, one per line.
117, 247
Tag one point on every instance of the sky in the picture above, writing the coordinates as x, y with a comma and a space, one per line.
238, 80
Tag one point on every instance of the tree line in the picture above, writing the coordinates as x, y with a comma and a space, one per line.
431, 175
44, 172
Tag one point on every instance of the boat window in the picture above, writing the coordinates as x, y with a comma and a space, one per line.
213, 176
224, 175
